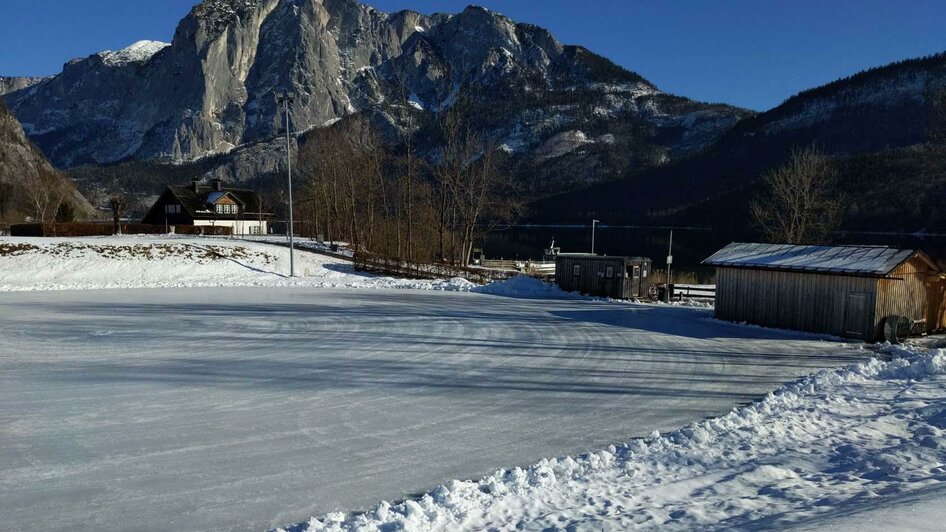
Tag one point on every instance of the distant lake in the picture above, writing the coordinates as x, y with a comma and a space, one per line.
690, 246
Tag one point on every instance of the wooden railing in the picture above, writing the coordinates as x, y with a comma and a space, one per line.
367, 262
704, 292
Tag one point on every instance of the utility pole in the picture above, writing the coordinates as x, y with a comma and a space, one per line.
286, 98
670, 267
593, 223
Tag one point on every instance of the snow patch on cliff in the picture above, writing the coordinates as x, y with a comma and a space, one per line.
138, 52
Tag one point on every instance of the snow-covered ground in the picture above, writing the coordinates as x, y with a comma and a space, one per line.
860, 448
269, 399
251, 408
169, 261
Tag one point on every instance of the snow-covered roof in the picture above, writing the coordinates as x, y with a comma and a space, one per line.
861, 260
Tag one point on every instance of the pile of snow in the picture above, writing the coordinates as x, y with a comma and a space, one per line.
168, 261
813, 453
182, 261
524, 286
138, 52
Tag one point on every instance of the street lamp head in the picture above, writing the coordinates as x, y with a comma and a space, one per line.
285, 96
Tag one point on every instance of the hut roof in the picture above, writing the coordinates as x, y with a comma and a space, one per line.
857, 260
589, 256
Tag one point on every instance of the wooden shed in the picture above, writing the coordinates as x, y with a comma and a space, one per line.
615, 277
840, 290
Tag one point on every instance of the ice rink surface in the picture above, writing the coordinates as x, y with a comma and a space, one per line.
249, 408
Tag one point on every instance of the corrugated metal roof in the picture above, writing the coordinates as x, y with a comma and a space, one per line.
825, 259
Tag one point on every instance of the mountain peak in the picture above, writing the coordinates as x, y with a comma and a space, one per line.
138, 52
212, 89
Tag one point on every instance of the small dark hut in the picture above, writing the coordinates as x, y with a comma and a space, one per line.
846, 291
615, 277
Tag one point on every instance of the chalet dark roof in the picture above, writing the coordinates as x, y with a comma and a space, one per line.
589, 256
195, 203
856, 260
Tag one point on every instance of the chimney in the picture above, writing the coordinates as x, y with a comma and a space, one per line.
217, 185
195, 184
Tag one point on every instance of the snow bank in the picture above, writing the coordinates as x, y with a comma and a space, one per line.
169, 261
838, 441
187, 261
524, 286
155, 262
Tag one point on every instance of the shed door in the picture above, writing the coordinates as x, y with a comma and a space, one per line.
855, 314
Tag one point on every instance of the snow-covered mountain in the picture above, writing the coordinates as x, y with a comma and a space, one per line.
211, 89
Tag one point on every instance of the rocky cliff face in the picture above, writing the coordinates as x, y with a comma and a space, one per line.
8, 84
22, 166
211, 89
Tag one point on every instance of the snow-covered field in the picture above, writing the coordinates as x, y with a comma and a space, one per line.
251, 408
861, 448
238, 398
168, 261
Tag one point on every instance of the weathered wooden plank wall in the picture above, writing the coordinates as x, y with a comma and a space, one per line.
592, 276
904, 293
936, 303
799, 301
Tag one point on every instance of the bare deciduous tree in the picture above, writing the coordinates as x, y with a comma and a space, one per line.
403, 207
118, 204
471, 174
799, 204
42, 198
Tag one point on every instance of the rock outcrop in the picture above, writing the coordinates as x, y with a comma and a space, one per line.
211, 90
23, 166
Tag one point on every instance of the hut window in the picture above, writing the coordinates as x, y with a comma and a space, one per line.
637, 272
609, 273
172, 208
576, 270
644, 272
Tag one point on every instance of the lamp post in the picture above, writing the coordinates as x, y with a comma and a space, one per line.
670, 267
593, 223
285, 98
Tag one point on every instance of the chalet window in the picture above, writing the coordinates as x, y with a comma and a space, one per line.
609, 273
576, 270
637, 272
644, 273
172, 208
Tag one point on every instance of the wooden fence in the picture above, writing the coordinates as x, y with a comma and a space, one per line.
367, 262
681, 291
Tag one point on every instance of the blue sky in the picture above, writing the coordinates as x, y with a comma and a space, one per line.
752, 53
